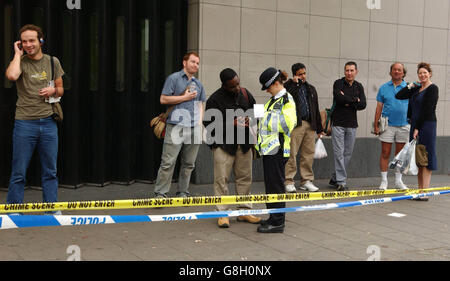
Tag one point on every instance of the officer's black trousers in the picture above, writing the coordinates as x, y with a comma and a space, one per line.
274, 182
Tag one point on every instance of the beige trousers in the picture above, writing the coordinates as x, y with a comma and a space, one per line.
241, 165
303, 140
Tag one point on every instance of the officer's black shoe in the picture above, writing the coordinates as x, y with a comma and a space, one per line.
265, 222
342, 187
269, 228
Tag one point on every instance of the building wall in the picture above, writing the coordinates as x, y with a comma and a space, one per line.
251, 35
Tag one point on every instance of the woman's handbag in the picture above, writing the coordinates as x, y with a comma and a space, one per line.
421, 155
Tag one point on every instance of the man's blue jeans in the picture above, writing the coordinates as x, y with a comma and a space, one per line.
27, 135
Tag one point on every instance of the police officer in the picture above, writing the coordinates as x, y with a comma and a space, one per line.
273, 143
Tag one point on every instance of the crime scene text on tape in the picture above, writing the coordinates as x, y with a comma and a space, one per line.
17, 221
198, 201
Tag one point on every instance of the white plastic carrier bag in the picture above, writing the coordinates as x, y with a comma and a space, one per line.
320, 151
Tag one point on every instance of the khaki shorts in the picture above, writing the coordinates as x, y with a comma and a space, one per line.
396, 134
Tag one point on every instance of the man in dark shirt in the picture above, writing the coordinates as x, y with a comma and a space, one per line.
348, 96
303, 137
231, 152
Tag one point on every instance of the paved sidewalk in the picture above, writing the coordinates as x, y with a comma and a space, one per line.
354, 234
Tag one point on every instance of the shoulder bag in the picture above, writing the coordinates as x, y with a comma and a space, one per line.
421, 155
56, 106
159, 123
325, 116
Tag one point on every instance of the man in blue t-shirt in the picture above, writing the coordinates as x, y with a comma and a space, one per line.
186, 96
397, 130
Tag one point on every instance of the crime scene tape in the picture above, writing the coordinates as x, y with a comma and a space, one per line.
198, 201
17, 221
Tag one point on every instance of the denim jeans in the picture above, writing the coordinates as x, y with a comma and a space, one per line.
27, 135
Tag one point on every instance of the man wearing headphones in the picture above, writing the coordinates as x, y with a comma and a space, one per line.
34, 125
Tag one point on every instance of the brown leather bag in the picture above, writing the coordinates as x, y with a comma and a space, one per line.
325, 116
421, 155
159, 123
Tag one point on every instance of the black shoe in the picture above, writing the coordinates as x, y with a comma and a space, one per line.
342, 187
265, 222
269, 228
333, 183
424, 199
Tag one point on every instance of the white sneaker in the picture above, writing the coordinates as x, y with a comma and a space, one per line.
383, 185
400, 185
309, 186
290, 188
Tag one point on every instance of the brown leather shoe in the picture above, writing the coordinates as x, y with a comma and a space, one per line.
249, 218
223, 222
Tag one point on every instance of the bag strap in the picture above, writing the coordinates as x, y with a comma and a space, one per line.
52, 64
251, 129
333, 106
170, 109
244, 92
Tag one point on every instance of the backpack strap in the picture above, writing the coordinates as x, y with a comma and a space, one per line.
52, 63
244, 92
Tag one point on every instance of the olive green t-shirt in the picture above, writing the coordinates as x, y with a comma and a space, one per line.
35, 76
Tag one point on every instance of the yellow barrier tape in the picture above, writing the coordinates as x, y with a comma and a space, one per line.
200, 200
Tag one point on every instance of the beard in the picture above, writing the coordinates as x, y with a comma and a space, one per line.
34, 51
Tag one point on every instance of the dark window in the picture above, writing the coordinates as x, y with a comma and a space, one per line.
168, 60
93, 50
145, 55
8, 40
67, 49
37, 17
120, 54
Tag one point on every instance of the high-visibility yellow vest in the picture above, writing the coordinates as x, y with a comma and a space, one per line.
279, 117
